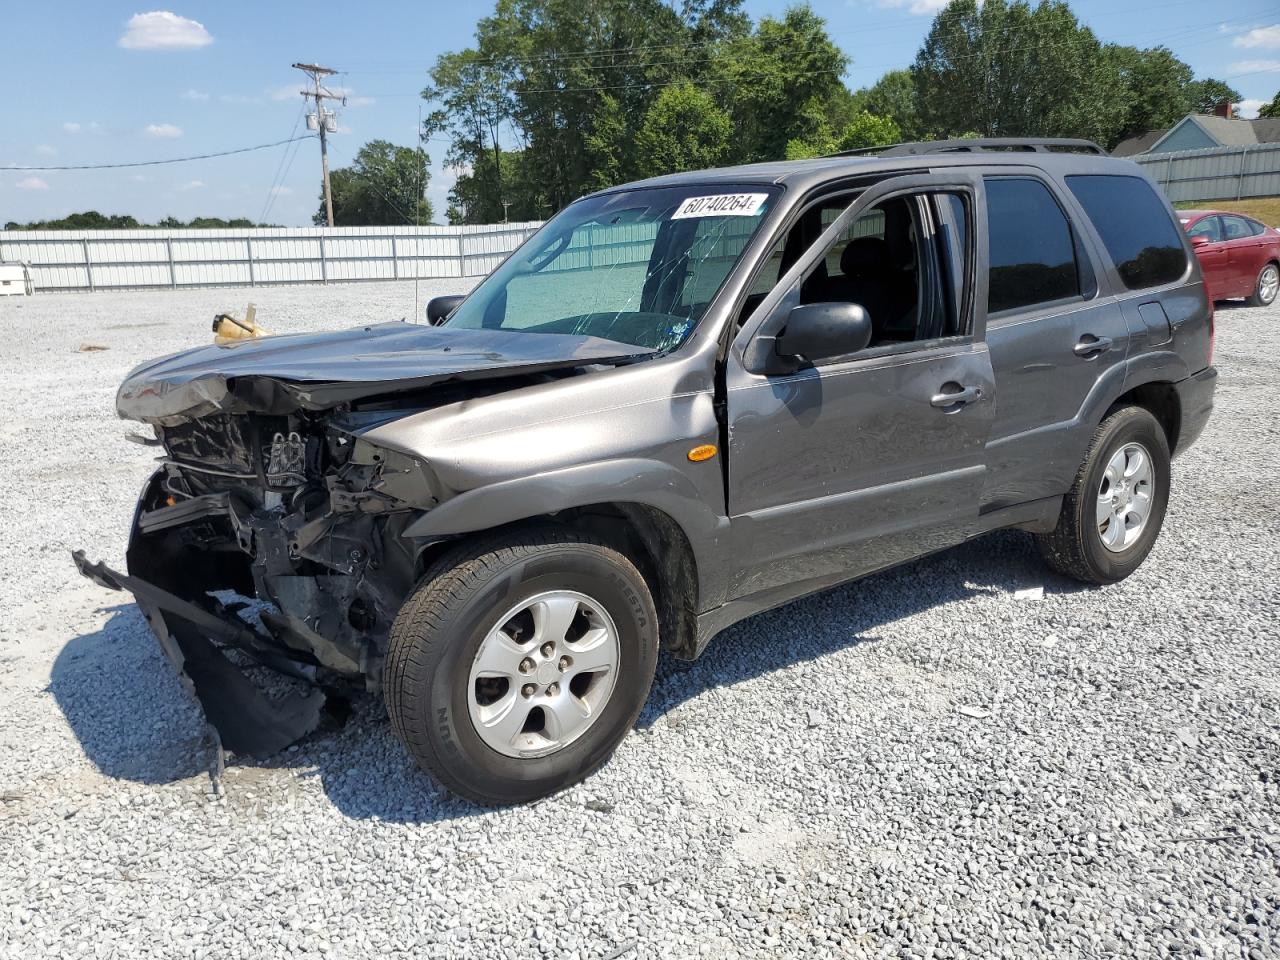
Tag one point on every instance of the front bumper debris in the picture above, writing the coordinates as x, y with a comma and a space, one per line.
247, 722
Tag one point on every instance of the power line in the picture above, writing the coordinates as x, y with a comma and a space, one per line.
157, 163
276, 180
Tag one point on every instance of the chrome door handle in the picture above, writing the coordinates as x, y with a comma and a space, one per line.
957, 399
1089, 345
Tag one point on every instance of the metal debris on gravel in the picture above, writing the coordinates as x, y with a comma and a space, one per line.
1125, 804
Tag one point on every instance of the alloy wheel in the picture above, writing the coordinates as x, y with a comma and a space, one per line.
1125, 496
1268, 283
543, 674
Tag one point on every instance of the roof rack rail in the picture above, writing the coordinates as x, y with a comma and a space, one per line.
981, 145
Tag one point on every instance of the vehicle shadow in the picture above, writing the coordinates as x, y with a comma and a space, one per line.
848, 615
135, 721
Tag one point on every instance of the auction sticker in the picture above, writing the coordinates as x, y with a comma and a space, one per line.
721, 205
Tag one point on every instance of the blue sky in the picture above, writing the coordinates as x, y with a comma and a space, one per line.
105, 82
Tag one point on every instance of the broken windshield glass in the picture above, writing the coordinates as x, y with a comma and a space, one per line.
638, 267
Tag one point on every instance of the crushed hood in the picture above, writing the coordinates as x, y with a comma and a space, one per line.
315, 371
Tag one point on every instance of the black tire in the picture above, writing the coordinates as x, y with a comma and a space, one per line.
438, 632
1074, 547
1257, 298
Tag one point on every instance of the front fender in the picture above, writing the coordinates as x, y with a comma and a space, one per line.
629, 480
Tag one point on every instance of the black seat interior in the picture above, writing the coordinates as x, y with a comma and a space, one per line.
877, 272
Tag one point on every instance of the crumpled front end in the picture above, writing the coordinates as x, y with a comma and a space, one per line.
294, 520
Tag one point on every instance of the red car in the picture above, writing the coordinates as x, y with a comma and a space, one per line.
1239, 256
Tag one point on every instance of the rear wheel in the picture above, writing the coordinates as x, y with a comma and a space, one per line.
1113, 513
520, 665
1268, 285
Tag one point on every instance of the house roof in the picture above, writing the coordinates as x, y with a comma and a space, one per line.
1224, 131
1139, 144
1228, 132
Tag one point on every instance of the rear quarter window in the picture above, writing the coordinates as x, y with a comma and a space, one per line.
1141, 238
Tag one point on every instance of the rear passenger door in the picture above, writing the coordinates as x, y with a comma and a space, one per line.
1051, 338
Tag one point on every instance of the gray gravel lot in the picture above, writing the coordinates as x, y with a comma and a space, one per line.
920, 765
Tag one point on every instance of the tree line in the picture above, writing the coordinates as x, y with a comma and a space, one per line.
556, 98
93, 220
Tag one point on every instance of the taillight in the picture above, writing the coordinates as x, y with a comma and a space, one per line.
1209, 362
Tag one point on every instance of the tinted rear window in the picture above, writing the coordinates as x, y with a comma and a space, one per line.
1138, 232
1031, 252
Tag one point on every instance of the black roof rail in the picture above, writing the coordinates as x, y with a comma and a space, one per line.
981, 145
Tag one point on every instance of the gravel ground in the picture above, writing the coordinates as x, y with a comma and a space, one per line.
925, 764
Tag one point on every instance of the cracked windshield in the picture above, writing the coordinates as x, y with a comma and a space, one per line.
638, 267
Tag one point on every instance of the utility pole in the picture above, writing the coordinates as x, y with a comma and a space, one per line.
319, 94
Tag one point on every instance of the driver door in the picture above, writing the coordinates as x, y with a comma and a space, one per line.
852, 463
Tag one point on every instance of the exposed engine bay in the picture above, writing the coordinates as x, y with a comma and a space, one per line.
273, 529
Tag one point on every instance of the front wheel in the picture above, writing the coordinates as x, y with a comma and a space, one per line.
520, 665
1113, 513
1268, 285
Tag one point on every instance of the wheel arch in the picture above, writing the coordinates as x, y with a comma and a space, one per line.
663, 525
1160, 399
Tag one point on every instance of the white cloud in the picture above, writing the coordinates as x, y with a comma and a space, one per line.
1249, 108
32, 183
353, 100
191, 185
162, 30
194, 95
287, 92
45, 150
140, 178
292, 90
71, 127
1268, 37
913, 6
238, 98
281, 191
1254, 66
166, 131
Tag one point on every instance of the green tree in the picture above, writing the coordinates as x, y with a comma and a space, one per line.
570, 88
1008, 69
474, 103
1271, 109
1203, 96
93, 220
582, 93
471, 198
781, 81
1154, 88
893, 96
683, 130
863, 130
384, 186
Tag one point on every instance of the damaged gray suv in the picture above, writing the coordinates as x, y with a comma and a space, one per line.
681, 402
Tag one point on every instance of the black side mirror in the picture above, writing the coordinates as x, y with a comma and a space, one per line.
818, 331
439, 308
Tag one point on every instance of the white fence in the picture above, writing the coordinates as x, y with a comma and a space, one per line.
1218, 173
154, 259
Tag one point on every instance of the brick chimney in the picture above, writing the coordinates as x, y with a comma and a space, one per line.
1223, 109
